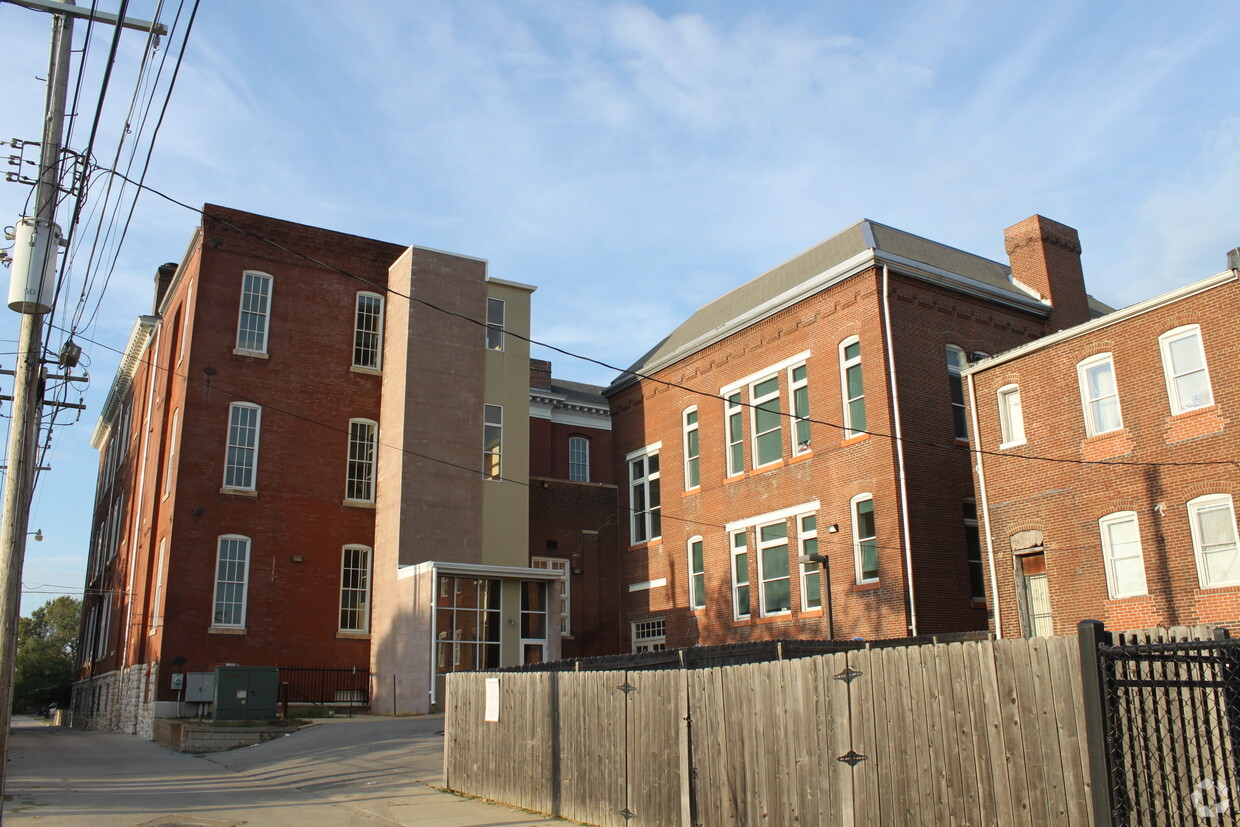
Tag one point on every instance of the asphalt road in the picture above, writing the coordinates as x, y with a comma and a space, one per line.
360, 771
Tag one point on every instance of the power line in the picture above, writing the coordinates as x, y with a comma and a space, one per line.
480, 472
668, 383
149, 153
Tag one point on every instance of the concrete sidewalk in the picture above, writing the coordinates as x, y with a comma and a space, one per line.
343, 771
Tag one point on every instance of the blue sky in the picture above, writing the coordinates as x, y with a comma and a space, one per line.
636, 160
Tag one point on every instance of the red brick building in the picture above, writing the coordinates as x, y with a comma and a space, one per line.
1134, 524
298, 460
573, 507
818, 409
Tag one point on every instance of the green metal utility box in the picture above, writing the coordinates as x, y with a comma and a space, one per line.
246, 693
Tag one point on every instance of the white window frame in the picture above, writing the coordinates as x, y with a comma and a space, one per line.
734, 433
173, 432
243, 583
800, 413
365, 339
763, 580
1111, 554
185, 324
858, 539
1092, 427
1011, 416
697, 571
264, 314
158, 591
649, 635
755, 404
495, 329
1173, 392
738, 584
229, 446
846, 364
492, 449
693, 448
360, 587
1195, 507
559, 564
807, 544
646, 520
578, 459
105, 627
363, 436
956, 388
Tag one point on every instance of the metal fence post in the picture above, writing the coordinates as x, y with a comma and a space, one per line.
1090, 635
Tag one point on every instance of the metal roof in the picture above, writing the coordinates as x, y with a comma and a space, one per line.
846, 253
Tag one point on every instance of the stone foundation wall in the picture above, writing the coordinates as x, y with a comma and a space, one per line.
117, 701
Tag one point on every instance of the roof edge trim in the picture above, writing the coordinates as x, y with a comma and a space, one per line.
1109, 319
138, 340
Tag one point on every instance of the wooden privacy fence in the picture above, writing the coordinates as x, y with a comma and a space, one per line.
962, 733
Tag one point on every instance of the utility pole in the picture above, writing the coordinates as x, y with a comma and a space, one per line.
28, 381
37, 278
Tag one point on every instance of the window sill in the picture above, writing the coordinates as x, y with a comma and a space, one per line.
365, 371
1130, 598
868, 586
1219, 587
225, 630
815, 611
253, 354
367, 504
770, 466
735, 478
240, 492
801, 457
657, 541
744, 621
1107, 445
977, 603
853, 440
341, 635
772, 618
1003, 446
1195, 411
692, 492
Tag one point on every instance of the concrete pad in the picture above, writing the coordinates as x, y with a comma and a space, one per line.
360, 771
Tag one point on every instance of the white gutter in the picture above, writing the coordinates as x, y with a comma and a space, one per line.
985, 508
895, 415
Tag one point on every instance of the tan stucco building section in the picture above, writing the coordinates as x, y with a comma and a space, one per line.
441, 510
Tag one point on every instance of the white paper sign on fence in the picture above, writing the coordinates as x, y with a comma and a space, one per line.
492, 707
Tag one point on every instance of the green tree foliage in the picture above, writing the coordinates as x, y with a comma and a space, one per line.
46, 654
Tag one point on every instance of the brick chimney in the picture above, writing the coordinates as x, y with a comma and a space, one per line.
1046, 258
163, 280
540, 374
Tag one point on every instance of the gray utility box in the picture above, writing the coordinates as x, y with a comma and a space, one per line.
200, 687
246, 693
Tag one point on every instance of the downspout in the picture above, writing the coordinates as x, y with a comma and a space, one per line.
981, 492
895, 415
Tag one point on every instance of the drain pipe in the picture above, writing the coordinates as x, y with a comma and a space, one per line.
985, 508
895, 415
